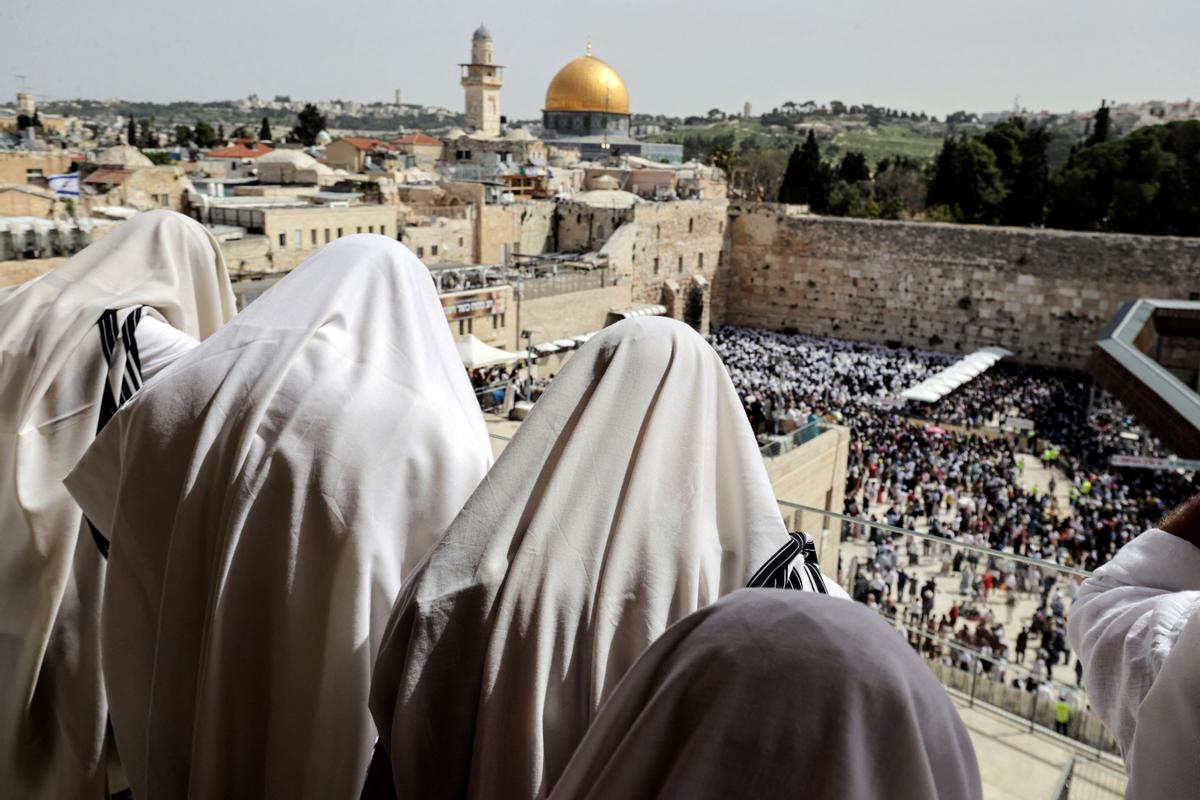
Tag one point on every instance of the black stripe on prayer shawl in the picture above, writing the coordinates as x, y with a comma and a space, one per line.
131, 380
778, 573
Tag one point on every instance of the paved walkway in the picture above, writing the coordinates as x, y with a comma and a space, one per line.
1019, 765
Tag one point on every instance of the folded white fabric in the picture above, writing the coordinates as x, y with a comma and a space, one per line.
1135, 626
53, 374
633, 495
265, 498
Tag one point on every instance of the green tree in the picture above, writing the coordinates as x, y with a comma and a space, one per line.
131, 132
221, 133
264, 133
204, 134
241, 132
146, 137
807, 178
1100, 126
309, 123
183, 135
899, 187
853, 168
1025, 203
967, 182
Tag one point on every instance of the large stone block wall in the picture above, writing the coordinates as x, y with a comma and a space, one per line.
1043, 294
684, 238
814, 475
525, 228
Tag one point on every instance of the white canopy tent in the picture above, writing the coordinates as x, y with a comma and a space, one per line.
477, 353
937, 386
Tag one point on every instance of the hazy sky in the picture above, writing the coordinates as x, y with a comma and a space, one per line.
677, 57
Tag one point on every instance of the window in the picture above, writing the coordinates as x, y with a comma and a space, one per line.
339, 233
383, 230
470, 326
501, 319
461, 327
313, 236
656, 265
370, 229
327, 236
433, 249
283, 241
681, 263
460, 241
691, 224
298, 238
720, 258
658, 231
495, 321
421, 254
700, 261
358, 229
599, 231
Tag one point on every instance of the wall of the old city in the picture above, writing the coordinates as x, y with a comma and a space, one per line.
524, 228
1043, 294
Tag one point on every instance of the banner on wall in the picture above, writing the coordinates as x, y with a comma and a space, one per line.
467, 305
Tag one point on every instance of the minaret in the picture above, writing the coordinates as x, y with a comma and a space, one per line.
481, 81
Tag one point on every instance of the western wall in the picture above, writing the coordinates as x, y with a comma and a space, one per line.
1043, 294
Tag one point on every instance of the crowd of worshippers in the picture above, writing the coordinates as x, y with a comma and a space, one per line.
963, 484
887, 580
269, 553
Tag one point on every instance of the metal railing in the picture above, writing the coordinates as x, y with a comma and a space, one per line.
969, 674
1085, 780
778, 445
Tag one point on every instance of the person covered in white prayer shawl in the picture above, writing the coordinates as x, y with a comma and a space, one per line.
265, 499
633, 495
75, 343
1135, 625
776, 694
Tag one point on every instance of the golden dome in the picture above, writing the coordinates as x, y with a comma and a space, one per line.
587, 84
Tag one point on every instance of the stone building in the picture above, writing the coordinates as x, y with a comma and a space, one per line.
424, 149
25, 200
481, 81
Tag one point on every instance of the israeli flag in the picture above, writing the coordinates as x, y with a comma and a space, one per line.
65, 185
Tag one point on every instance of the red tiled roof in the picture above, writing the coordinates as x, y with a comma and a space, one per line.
418, 139
113, 176
366, 144
240, 151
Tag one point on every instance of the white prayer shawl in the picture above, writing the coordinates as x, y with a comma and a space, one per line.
1135, 625
266, 497
772, 693
633, 495
52, 375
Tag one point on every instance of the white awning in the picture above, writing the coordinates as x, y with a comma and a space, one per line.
641, 310
566, 344
937, 386
477, 353
546, 348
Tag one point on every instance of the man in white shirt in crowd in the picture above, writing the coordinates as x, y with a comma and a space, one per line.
1135, 627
